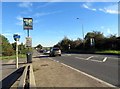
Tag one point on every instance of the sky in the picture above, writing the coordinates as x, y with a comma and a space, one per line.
52, 21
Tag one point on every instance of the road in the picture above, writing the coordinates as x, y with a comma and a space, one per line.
103, 67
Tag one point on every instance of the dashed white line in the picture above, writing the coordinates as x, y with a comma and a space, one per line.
80, 58
96, 61
89, 57
104, 59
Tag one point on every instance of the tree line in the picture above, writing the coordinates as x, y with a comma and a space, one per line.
93, 41
8, 49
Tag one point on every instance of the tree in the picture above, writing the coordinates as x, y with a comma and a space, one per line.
98, 39
39, 46
64, 44
6, 46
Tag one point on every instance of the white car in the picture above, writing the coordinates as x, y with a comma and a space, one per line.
46, 52
55, 52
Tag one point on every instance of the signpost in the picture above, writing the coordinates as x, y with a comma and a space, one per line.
16, 38
28, 42
92, 42
28, 25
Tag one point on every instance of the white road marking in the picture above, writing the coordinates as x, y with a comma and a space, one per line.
104, 59
96, 61
89, 57
66, 54
97, 79
80, 58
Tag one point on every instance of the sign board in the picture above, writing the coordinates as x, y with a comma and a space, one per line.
27, 23
28, 42
92, 42
16, 37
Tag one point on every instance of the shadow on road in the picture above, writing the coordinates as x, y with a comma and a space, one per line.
12, 78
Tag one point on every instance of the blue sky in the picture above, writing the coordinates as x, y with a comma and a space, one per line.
52, 21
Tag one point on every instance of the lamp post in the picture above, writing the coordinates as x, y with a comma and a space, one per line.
82, 30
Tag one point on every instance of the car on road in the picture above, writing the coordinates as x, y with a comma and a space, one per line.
55, 52
46, 52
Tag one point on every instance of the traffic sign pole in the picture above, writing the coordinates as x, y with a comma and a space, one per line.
16, 53
16, 38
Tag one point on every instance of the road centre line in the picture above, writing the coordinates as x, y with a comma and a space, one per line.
97, 79
104, 59
89, 57
80, 58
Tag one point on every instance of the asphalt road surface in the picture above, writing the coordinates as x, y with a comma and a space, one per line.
104, 67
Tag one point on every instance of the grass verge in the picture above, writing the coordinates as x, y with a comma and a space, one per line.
109, 52
12, 57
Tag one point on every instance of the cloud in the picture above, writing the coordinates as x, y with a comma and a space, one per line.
112, 9
25, 4
20, 20
45, 13
7, 34
109, 31
46, 4
88, 6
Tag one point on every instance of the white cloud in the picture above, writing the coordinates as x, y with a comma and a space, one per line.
45, 13
109, 31
20, 20
7, 34
46, 4
112, 9
25, 4
88, 6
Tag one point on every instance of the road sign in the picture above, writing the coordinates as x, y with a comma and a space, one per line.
16, 37
27, 23
28, 42
92, 41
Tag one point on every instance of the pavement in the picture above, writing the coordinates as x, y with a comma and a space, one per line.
9, 66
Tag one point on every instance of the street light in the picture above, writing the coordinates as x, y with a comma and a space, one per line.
82, 29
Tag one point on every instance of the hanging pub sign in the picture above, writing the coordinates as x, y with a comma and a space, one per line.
27, 23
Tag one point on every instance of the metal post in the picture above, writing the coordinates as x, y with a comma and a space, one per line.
17, 54
83, 31
28, 32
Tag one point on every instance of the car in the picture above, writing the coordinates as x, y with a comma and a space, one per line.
55, 52
46, 52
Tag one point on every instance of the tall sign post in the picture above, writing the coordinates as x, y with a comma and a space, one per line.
28, 25
16, 38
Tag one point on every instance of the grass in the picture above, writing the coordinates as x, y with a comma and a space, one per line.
12, 57
109, 51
